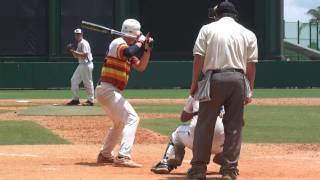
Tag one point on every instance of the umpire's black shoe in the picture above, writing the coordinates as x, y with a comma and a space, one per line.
73, 103
197, 172
230, 174
217, 159
162, 168
88, 103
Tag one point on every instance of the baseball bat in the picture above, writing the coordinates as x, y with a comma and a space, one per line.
98, 28
102, 29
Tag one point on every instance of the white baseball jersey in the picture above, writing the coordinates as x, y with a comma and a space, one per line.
84, 46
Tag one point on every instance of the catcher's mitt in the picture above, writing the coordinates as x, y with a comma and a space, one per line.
70, 47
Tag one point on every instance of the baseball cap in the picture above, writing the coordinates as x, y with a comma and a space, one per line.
78, 31
226, 7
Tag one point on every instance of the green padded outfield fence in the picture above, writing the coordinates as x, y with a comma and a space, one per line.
270, 74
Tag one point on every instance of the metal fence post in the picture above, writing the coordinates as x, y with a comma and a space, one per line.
318, 32
298, 32
310, 34
54, 28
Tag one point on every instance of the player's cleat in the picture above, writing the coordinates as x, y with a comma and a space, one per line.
88, 103
122, 161
162, 168
73, 103
104, 160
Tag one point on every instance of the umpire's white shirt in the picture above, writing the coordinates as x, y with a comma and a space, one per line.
84, 46
226, 44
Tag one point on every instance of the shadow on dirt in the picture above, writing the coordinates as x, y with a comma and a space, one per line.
181, 176
90, 164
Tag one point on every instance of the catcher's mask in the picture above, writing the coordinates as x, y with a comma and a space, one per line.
212, 12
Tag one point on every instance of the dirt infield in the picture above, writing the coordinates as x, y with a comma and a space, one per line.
284, 162
77, 161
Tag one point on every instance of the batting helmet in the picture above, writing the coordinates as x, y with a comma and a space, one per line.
131, 27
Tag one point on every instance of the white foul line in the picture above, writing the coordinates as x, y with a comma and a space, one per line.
18, 155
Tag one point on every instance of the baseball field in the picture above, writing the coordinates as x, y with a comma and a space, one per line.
41, 138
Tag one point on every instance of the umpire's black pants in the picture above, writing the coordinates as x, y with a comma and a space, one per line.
227, 88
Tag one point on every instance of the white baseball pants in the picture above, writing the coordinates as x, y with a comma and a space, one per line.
83, 73
124, 117
184, 135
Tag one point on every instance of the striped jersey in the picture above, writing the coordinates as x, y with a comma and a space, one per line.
116, 67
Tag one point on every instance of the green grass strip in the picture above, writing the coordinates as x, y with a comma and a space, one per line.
282, 124
287, 93
4, 111
154, 108
155, 93
27, 133
162, 126
50, 110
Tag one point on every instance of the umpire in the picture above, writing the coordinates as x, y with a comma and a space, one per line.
230, 52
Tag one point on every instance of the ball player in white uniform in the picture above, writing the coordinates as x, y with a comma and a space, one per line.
183, 137
83, 73
123, 55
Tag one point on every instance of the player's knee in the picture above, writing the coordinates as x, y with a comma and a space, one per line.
136, 119
74, 82
133, 120
88, 84
174, 137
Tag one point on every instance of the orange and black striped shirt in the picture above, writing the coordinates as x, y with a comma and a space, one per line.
116, 68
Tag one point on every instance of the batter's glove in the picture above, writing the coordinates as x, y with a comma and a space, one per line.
148, 44
70, 47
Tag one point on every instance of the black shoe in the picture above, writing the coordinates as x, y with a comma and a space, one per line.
88, 103
230, 174
197, 172
162, 168
217, 159
73, 103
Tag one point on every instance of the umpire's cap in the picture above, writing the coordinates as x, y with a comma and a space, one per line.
226, 8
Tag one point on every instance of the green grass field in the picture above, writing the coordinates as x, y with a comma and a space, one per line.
282, 124
153, 108
61, 110
27, 132
265, 124
153, 93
